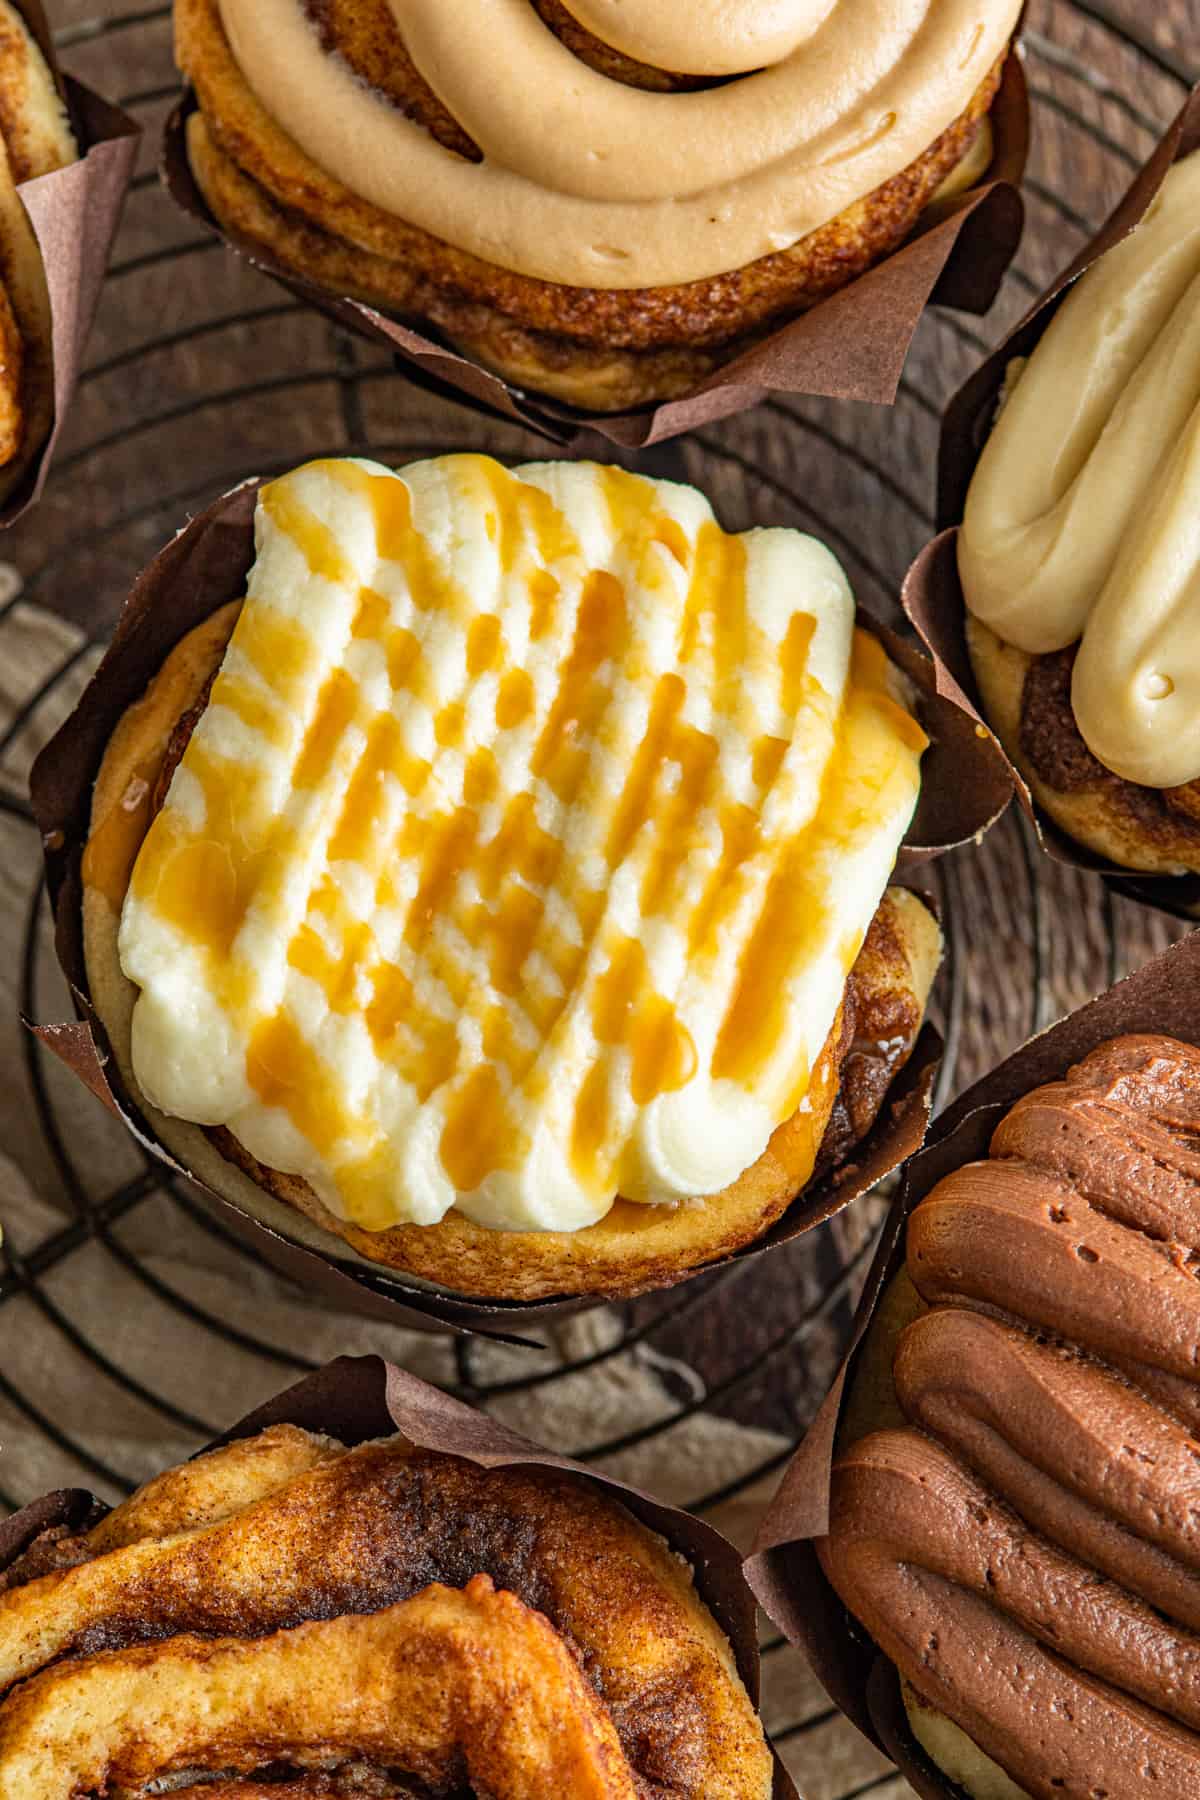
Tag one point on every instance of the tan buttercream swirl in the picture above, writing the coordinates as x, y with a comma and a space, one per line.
1083, 517
707, 37
590, 183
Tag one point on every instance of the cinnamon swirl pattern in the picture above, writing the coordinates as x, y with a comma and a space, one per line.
636, 186
288, 1617
1026, 1550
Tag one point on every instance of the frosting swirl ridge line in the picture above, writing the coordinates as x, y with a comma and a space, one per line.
586, 182
1081, 520
965, 1614
708, 37
1077, 1451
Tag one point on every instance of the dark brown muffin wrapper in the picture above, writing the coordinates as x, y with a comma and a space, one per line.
356, 1398
74, 213
932, 595
965, 787
1162, 997
851, 346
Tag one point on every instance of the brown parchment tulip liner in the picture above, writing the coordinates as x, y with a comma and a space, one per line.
356, 1398
1163, 996
965, 787
932, 594
851, 346
74, 214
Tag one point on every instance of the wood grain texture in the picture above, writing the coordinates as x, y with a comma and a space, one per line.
203, 372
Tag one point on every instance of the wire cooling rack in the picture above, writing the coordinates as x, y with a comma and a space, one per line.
202, 373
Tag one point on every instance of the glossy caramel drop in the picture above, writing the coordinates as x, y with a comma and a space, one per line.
515, 700
627, 1011
601, 629
793, 663
480, 1135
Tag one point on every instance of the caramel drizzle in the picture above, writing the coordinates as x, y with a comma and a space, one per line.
442, 857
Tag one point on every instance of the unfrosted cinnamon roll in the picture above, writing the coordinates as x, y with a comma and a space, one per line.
1079, 556
600, 202
288, 1617
35, 139
503, 885
1013, 1510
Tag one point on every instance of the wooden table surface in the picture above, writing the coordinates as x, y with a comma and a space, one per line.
203, 372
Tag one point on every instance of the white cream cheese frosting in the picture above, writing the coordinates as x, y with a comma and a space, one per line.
524, 845
591, 183
1082, 522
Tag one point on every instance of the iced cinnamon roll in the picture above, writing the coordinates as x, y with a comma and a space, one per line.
1013, 1513
502, 886
600, 202
1079, 555
285, 1616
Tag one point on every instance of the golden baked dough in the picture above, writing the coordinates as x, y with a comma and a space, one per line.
1027, 701
596, 347
33, 119
445, 1684
12, 368
354, 1615
1018, 1495
954, 1753
213, 1487
634, 1247
35, 139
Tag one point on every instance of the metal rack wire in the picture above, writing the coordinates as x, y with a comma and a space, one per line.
173, 390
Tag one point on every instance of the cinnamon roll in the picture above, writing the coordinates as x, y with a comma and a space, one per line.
1079, 556
35, 139
508, 868
1014, 1522
602, 203
285, 1616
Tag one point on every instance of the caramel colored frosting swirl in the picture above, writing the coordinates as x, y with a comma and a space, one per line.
1082, 522
1027, 1550
591, 183
522, 850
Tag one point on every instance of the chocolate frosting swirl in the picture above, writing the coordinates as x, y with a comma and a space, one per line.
1068, 1682
1028, 1550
